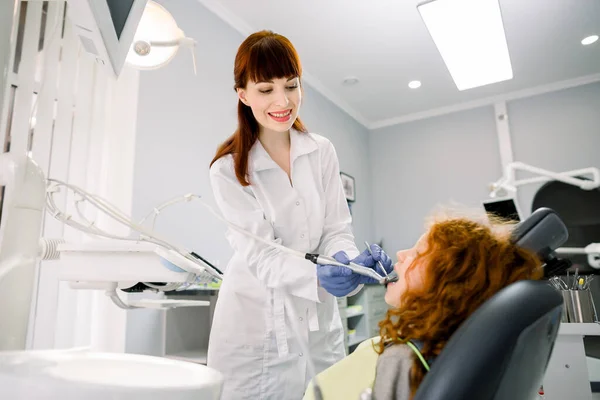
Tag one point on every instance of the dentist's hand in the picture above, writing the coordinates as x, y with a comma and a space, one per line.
371, 259
339, 281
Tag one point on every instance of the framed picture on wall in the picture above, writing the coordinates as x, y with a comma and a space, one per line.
349, 187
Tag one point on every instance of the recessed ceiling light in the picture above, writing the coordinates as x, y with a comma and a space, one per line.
469, 34
351, 80
589, 40
414, 84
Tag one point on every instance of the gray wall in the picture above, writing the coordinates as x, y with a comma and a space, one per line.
351, 142
558, 131
423, 164
454, 157
182, 119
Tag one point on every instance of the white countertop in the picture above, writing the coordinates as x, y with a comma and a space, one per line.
585, 329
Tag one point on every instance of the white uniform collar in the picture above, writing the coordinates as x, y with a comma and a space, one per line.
301, 144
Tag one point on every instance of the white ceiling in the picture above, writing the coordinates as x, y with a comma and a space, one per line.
385, 44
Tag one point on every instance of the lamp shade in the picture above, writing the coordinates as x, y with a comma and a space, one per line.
156, 26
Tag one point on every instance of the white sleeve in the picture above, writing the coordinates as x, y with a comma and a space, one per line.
272, 267
337, 231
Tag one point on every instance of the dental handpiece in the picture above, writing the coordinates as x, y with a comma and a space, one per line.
392, 277
359, 269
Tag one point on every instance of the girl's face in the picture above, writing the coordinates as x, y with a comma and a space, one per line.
275, 103
412, 278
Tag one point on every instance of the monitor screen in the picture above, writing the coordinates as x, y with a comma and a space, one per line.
503, 208
119, 12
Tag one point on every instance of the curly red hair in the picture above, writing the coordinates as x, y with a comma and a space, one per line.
466, 262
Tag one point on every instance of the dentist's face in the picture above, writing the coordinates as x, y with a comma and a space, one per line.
274, 103
412, 278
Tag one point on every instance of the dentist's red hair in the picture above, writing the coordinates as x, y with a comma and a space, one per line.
466, 262
263, 56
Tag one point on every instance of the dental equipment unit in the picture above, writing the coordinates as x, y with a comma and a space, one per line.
142, 260
509, 182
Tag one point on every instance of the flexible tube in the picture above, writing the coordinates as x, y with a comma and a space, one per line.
250, 234
319, 259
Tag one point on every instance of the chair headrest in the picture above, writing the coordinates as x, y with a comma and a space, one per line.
543, 232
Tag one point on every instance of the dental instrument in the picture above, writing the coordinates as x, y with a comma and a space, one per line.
359, 269
378, 262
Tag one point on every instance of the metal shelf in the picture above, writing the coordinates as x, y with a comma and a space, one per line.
356, 340
350, 314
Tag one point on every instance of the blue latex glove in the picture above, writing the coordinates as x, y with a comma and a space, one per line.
339, 281
372, 261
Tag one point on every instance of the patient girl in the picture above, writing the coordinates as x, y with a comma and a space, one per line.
456, 266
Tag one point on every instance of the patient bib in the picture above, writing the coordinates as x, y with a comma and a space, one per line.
349, 377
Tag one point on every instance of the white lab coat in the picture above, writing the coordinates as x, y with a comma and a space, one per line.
252, 341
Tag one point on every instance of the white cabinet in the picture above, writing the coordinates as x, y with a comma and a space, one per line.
342, 303
361, 314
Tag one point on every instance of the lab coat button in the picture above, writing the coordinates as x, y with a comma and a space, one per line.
301, 319
301, 354
297, 203
302, 236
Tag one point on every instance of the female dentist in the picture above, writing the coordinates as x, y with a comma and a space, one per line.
276, 180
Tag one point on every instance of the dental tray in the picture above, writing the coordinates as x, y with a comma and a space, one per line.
117, 261
168, 303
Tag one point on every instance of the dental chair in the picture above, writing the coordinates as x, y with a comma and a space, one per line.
501, 351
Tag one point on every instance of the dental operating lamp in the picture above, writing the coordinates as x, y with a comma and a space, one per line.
157, 40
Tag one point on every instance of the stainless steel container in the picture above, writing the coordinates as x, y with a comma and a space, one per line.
565, 310
579, 306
